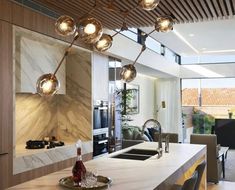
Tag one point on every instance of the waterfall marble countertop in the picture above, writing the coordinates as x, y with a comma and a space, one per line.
127, 174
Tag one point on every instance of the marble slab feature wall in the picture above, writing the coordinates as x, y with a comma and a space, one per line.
35, 117
74, 110
68, 116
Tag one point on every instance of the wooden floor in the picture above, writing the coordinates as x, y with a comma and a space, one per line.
222, 185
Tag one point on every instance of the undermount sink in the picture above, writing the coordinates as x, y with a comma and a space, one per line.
136, 154
142, 152
132, 156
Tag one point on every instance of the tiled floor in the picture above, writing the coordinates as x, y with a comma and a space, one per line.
222, 185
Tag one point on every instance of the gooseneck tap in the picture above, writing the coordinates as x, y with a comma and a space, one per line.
159, 135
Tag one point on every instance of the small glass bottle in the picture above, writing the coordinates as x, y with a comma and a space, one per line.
79, 170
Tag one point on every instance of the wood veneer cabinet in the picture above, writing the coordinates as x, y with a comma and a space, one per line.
6, 102
4, 171
6, 95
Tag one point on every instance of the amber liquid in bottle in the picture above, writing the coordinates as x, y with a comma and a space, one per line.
79, 169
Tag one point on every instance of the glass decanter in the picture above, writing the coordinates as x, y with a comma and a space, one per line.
79, 170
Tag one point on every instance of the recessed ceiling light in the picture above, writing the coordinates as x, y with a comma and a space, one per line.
202, 71
185, 41
220, 51
191, 35
203, 48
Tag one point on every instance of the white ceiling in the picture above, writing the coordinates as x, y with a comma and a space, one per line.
199, 38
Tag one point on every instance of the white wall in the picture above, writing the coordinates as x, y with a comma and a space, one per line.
100, 77
125, 48
146, 99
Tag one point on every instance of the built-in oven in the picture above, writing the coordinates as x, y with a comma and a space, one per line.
100, 128
100, 144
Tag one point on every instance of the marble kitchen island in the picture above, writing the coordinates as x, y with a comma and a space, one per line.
173, 167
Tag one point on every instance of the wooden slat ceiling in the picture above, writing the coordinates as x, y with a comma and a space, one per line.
182, 11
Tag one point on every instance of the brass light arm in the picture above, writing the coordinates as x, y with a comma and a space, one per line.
90, 31
151, 32
66, 53
141, 51
118, 32
124, 27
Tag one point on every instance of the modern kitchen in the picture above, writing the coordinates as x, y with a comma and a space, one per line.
66, 102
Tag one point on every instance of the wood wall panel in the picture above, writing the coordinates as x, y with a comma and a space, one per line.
4, 170
5, 10
6, 86
40, 23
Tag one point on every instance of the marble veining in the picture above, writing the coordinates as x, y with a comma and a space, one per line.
67, 116
35, 117
34, 55
126, 174
32, 159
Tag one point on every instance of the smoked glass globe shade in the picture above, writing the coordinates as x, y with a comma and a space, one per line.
65, 25
104, 43
164, 24
128, 73
89, 30
149, 4
47, 85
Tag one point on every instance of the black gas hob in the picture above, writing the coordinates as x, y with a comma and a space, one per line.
38, 144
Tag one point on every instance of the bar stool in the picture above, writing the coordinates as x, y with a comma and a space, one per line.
200, 169
189, 184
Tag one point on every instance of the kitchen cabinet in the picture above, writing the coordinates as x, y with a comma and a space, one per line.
4, 171
6, 86
6, 101
34, 55
100, 71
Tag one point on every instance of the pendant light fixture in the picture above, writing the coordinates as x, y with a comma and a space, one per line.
65, 26
149, 4
90, 31
164, 24
104, 43
106, 40
128, 72
48, 84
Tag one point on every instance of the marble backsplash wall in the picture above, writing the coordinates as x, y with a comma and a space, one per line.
74, 109
66, 116
35, 117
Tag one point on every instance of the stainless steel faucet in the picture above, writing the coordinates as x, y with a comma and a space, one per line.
159, 135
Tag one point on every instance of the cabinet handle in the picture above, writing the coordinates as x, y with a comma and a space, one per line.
102, 108
103, 141
1, 154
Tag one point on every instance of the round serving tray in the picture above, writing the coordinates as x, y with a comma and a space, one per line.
102, 183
